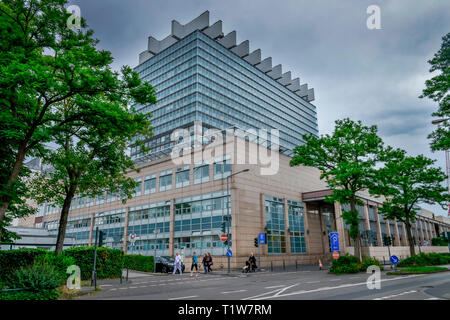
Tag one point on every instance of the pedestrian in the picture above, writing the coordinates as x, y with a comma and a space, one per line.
177, 264
210, 262
252, 261
194, 264
205, 263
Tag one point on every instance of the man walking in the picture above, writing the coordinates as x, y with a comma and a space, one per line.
194, 264
177, 264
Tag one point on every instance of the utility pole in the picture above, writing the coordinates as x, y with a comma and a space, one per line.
94, 272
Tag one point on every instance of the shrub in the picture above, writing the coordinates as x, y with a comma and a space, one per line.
344, 264
109, 261
12, 260
367, 262
60, 262
139, 262
37, 282
425, 259
439, 242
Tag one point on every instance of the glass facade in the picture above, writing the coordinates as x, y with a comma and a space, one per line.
275, 225
296, 227
198, 79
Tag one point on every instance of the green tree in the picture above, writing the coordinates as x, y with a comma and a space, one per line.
42, 64
437, 89
406, 181
346, 160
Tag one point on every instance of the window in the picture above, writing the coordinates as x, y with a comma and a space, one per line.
182, 176
100, 199
165, 180
201, 174
222, 169
138, 189
296, 227
80, 203
276, 238
110, 197
150, 184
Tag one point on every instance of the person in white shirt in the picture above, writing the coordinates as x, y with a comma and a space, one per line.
177, 264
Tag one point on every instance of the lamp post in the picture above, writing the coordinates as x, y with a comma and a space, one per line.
228, 213
447, 162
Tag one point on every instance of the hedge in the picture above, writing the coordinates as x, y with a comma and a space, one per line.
139, 262
350, 264
425, 259
108, 265
12, 260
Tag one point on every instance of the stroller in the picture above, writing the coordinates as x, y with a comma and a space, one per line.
249, 267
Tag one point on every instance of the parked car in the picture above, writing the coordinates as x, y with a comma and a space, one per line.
165, 264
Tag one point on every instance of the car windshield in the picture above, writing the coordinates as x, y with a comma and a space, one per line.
168, 259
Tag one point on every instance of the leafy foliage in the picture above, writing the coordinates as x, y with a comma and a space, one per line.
406, 181
37, 277
109, 262
425, 259
346, 160
437, 89
43, 65
12, 260
345, 264
139, 262
59, 262
367, 262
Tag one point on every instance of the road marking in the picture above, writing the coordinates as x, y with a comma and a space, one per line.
259, 297
313, 282
132, 287
275, 287
226, 292
114, 289
106, 285
335, 279
396, 295
181, 298
123, 288
142, 286
433, 299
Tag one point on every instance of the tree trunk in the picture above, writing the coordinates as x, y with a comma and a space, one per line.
357, 240
63, 220
12, 178
412, 249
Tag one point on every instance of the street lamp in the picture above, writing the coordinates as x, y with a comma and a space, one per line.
228, 213
447, 161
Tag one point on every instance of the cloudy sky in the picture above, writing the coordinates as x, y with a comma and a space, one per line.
371, 75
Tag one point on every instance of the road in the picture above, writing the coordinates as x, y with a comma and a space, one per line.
294, 285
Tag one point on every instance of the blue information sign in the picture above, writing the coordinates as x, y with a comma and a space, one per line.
262, 238
229, 253
334, 240
394, 259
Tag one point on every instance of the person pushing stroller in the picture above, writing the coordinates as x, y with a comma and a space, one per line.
250, 264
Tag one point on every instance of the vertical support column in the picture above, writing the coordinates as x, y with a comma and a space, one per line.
396, 234
234, 200
421, 231
340, 227
172, 226
286, 226
91, 228
366, 219
377, 218
405, 236
427, 233
125, 230
306, 222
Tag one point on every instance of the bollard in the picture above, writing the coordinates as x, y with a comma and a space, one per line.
271, 266
127, 274
296, 265
384, 261
284, 266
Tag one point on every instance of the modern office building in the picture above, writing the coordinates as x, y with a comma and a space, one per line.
202, 75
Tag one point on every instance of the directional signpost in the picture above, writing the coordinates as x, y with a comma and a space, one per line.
262, 240
394, 261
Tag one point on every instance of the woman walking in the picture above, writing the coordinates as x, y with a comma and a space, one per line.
205, 263
194, 264
210, 262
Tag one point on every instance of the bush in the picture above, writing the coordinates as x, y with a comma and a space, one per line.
109, 261
60, 262
425, 259
139, 262
439, 242
39, 282
345, 264
12, 260
367, 262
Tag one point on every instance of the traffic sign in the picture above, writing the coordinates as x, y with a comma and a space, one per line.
394, 259
262, 238
335, 255
229, 253
334, 240
223, 237
132, 237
